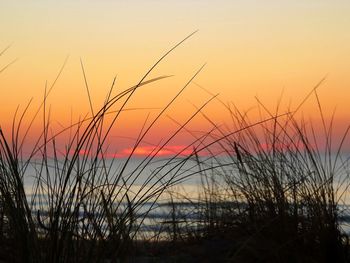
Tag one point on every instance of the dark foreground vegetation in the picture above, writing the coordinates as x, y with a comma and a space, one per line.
271, 191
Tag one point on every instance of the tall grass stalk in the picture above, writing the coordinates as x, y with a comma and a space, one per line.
80, 208
278, 192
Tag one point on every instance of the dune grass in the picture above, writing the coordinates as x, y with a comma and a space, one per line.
272, 190
276, 193
81, 209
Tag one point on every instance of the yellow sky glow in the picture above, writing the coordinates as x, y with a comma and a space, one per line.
252, 48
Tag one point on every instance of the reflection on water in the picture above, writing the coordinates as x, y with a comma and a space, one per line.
179, 201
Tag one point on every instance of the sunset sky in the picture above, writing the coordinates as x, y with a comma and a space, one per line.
251, 48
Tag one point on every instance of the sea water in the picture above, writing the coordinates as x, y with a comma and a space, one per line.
184, 180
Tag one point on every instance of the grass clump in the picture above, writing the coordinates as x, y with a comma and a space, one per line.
81, 208
273, 190
277, 193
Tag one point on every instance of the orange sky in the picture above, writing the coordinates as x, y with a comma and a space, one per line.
252, 48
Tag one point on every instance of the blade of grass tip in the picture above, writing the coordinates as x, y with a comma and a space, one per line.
110, 90
125, 92
85, 119
216, 127
20, 122
325, 130
166, 54
98, 131
13, 129
186, 130
321, 113
170, 138
15, 137
211, 94
147, 73
208, 119
276, 122
153, 67
107, 99
41, 105
172, 101
227, 106
301, 103
87, 87
283, 127
8, 65
309, 94
102, 122
108, 104
5, 49
153, 122
157, 117
103, 111
240, 130
117, 97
